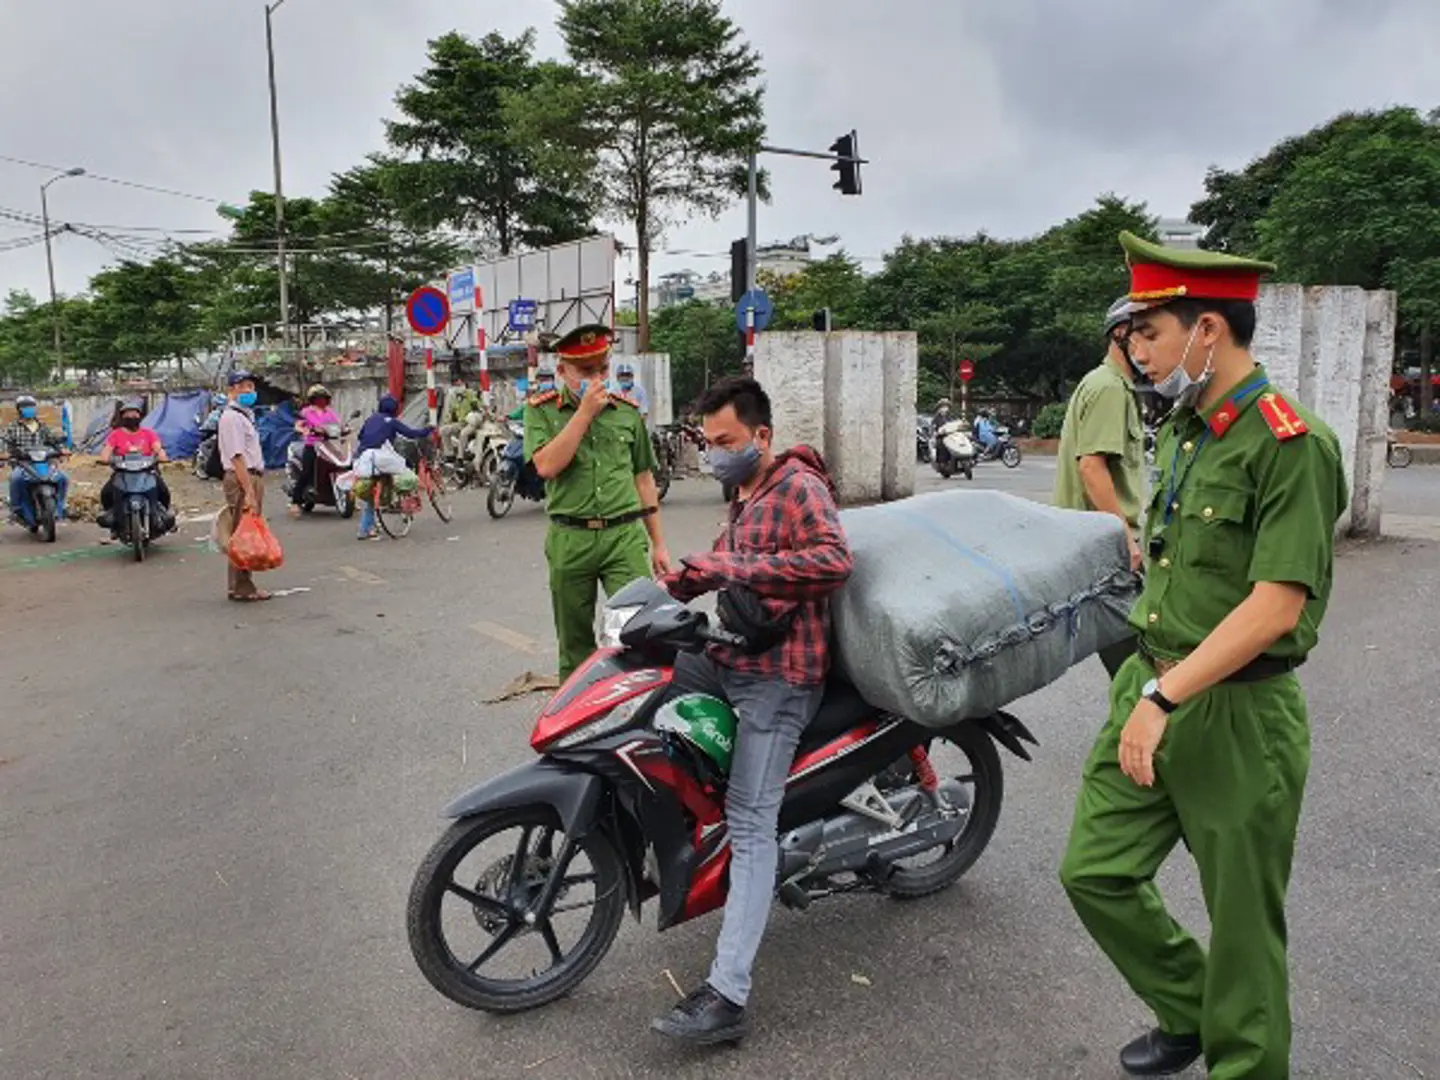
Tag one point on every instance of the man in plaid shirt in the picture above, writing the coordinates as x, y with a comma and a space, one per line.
784, 543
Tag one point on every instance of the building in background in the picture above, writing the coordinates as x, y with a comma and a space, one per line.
680, 286
1179, 233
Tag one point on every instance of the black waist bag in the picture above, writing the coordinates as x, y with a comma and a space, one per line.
742, 612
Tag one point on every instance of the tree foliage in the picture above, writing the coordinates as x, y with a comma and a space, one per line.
660, 103
703, 345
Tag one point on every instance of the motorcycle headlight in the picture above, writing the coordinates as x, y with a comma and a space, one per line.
617, 718
613, 622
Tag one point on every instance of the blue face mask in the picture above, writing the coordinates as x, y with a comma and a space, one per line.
247, 399
734, 467
27, 413
626, 384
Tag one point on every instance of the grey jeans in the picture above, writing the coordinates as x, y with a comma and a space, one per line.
772, 716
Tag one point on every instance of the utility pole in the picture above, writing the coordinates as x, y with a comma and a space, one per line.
50, 264
270, 10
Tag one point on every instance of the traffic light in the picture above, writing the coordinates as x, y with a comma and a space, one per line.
847, 148
821, 320
739, 278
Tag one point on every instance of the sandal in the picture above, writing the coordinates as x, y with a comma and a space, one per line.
250, 598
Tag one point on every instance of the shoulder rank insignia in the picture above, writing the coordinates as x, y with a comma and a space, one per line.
542, 397
1284, 421
616, 395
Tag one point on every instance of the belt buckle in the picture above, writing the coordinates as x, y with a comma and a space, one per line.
595, 524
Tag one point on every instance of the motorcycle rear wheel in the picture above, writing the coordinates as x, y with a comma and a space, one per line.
945, 467
986, 780
498, 915
501, 496
1010, 456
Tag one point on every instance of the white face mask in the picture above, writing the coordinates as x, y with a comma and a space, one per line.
1178, 385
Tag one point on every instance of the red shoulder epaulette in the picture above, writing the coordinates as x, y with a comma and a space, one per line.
542, 397
1280, 415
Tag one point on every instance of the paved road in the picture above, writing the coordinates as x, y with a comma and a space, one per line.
209, 815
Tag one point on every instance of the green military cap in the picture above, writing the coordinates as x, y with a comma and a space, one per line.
1160, 274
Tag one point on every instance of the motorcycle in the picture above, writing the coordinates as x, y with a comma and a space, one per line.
40, 478
953, 450
924, 440
136, 517
514, 475
487, 449
1002, 449
626, 804
334, 458
206, 463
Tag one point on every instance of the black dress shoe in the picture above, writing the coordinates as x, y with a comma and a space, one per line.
703, 1018
1158, 1054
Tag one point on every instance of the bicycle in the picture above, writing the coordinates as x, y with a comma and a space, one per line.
396, 511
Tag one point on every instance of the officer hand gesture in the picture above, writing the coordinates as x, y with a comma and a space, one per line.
597, 396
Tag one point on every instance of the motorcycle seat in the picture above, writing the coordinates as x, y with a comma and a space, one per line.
841, 709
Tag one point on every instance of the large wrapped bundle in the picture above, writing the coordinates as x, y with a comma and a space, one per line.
962, 602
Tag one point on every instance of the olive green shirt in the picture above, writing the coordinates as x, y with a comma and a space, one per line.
462, 404
1103, 417
600, 481
1247, 506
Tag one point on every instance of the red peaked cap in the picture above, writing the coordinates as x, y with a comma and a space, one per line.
1159, 274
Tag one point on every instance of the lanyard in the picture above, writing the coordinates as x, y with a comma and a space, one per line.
1237, 399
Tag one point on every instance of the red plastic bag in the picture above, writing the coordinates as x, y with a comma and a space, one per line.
253, 546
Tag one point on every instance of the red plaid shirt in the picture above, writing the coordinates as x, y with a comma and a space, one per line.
785, 543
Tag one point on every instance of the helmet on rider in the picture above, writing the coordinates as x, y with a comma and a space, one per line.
130, 413
26, 406
317, 393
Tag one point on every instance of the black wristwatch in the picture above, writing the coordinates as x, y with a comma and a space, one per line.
1151, 692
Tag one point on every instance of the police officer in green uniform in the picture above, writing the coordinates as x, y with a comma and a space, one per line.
590, 446
1207, 739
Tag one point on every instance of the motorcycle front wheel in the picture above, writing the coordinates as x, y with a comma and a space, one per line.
1011, 456
488, 912
45, 515
137, 533
501, 496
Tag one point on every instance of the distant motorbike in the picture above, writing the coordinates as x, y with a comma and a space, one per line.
1002, 449
207, 464
953, 450
514, 476
137, 518
486, 450
41, 491
924, 440
334, 458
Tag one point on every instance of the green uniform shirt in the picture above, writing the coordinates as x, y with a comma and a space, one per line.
1247, 506
1103, 417
600, 481
462, 404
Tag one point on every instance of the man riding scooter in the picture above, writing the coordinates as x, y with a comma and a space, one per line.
128, 437
26, 434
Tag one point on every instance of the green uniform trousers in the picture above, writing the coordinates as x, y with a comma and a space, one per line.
579, 559
1229, 779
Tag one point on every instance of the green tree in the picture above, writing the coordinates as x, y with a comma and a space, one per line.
141, 314
27, 350
834, 282
661, 101
1377, 191
703, 345
464, 164
1235, 201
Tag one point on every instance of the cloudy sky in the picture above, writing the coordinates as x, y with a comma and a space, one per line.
1003, 115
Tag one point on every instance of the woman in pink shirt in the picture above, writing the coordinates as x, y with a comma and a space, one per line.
128, 437
313, 419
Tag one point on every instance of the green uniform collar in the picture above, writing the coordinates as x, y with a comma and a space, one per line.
1220, 417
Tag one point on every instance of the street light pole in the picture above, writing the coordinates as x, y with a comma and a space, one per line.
270, 9
50, 263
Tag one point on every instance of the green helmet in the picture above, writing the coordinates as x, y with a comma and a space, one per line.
705, 723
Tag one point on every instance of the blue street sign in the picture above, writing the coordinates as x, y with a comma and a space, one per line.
522, 315
462, 287
764, 310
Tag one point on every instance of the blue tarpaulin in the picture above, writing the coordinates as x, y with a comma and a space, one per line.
277, 431
174, 421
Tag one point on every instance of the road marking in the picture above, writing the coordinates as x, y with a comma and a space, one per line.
363, 576
505, 636
58, 558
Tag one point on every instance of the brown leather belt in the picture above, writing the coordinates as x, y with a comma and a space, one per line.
598, 524
1258, 670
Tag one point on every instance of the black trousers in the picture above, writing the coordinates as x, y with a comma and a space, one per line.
307, 474
107, 494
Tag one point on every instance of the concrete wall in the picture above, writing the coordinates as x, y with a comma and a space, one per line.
850, 394
1332, 347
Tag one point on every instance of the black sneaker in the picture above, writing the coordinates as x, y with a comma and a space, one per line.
704, 1018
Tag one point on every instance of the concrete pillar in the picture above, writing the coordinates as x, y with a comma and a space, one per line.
1330, 347
652, 371
791, 367
901, 360
854, 413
